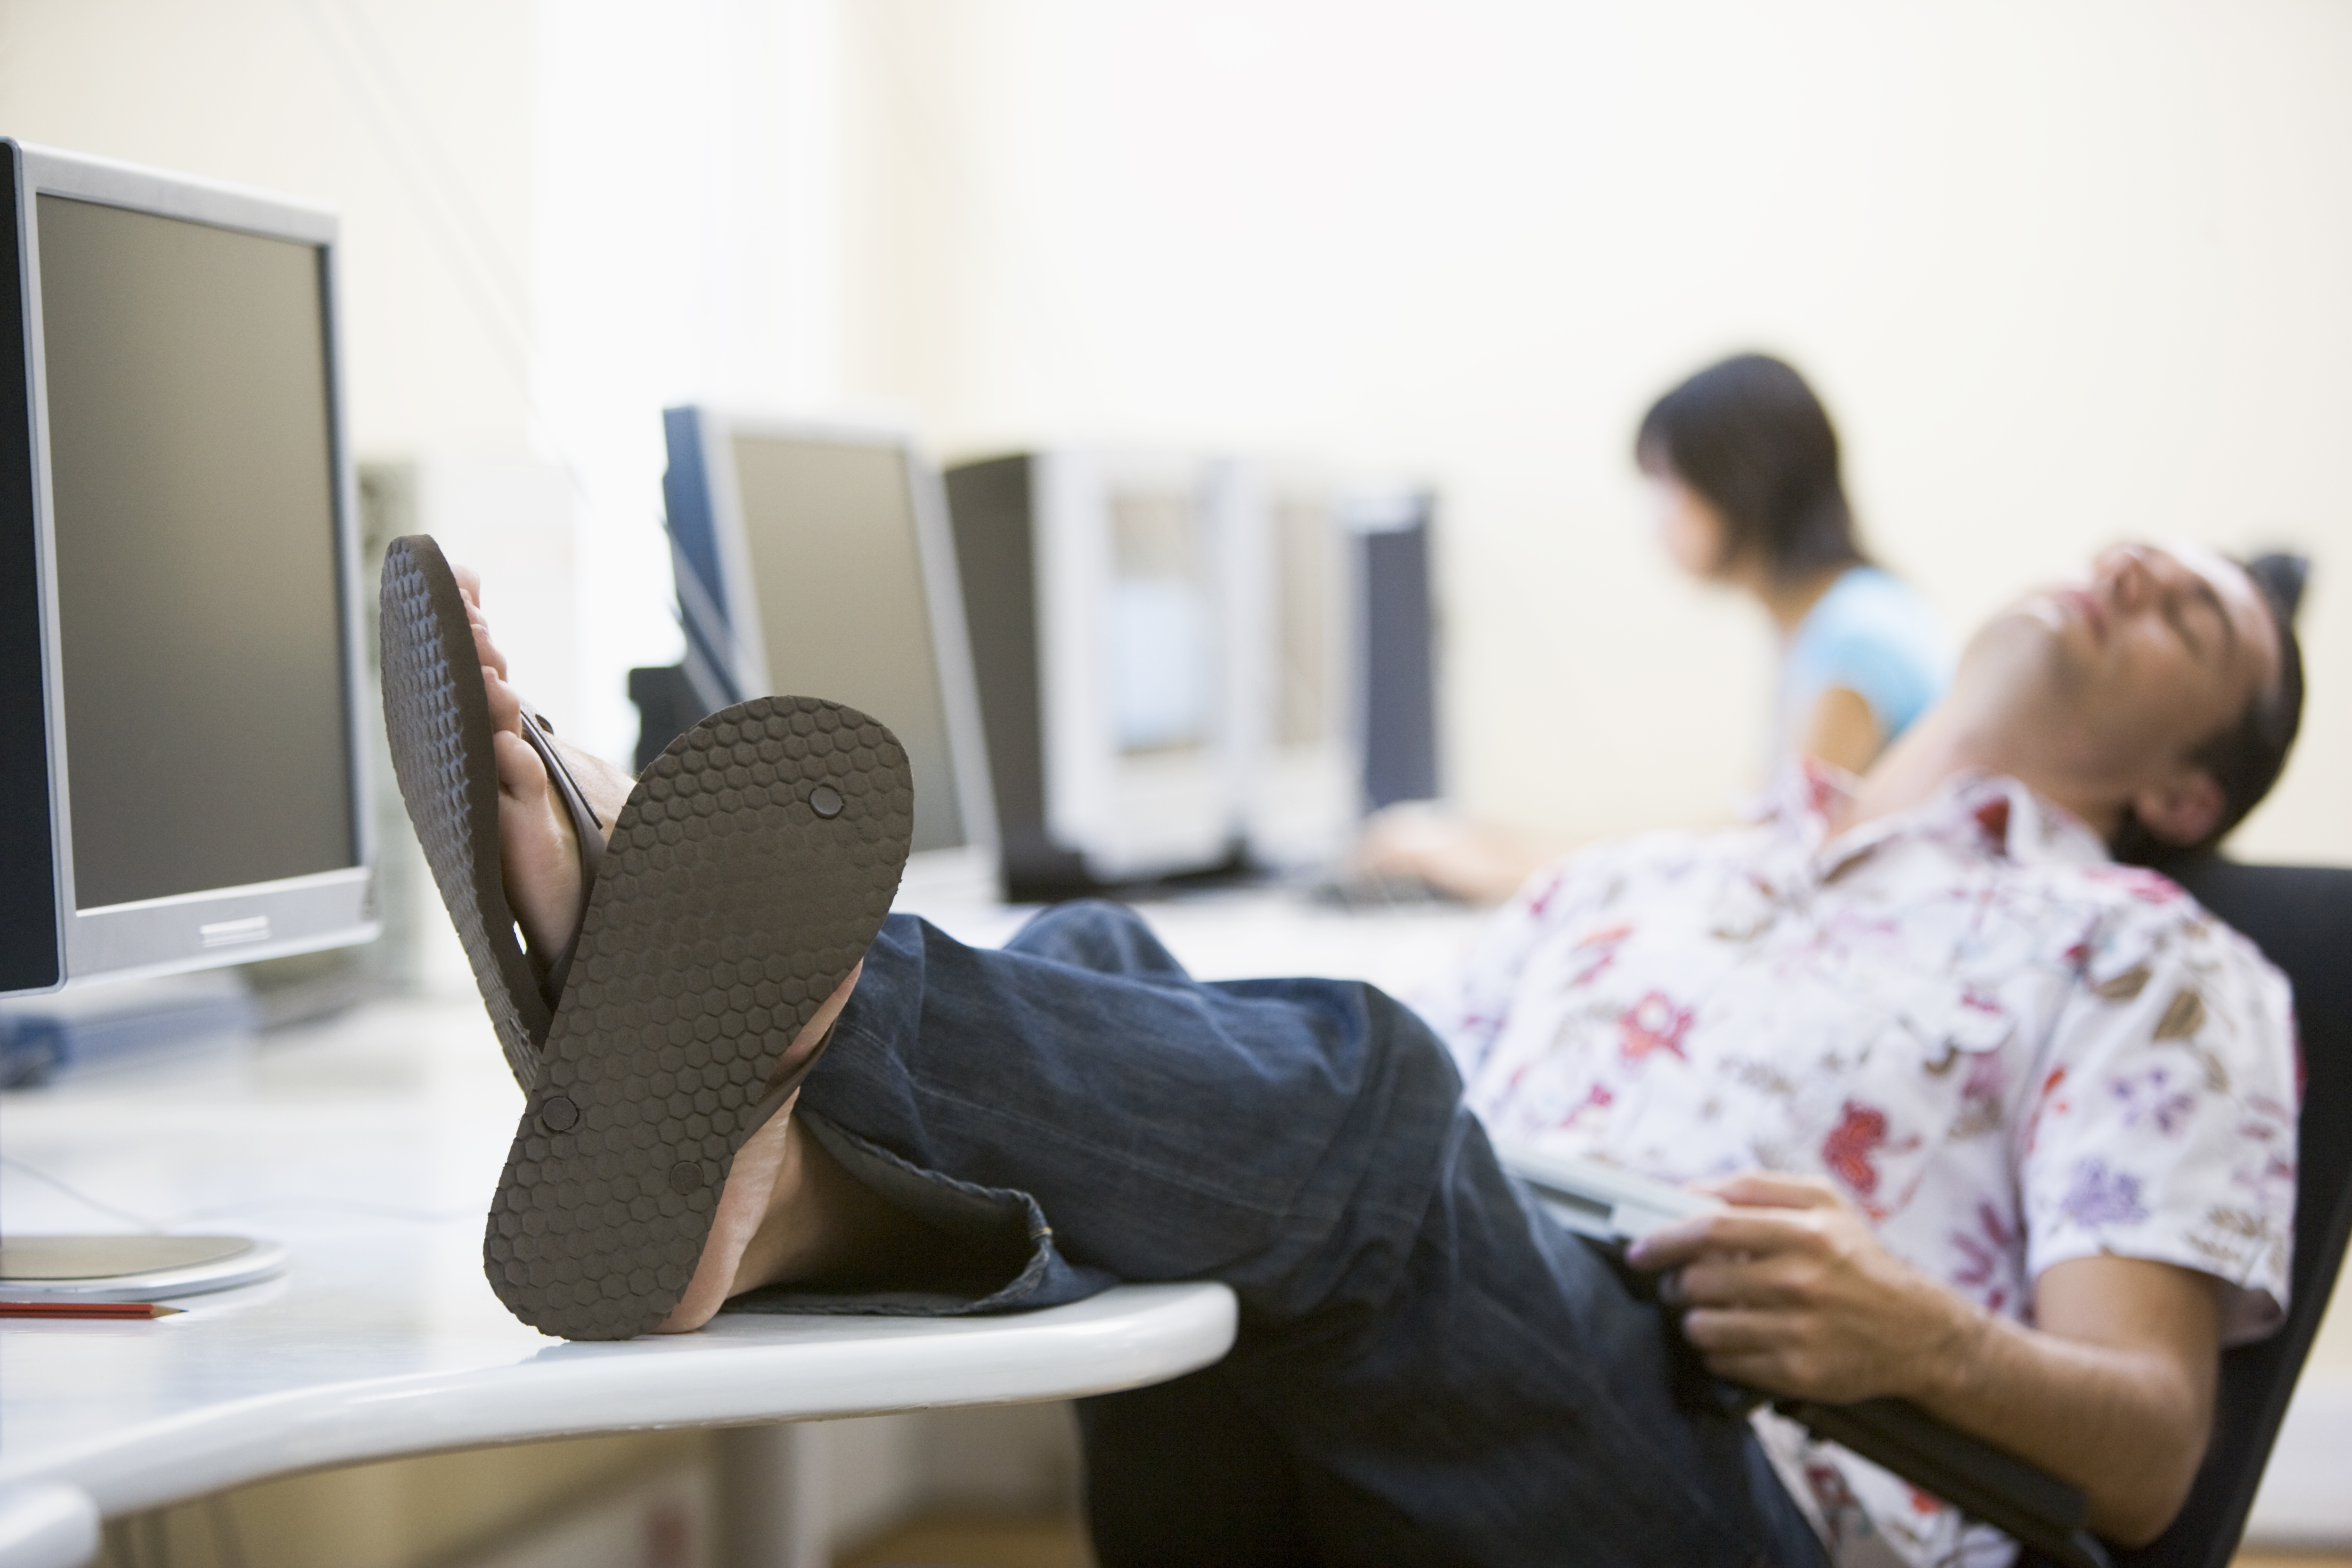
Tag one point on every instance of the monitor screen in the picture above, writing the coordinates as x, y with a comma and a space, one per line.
838, 570
1161, 670
193, 479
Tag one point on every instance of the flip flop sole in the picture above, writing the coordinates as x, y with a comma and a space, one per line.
745, 877
436, 716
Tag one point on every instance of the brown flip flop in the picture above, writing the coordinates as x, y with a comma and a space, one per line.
746, 876
436, 716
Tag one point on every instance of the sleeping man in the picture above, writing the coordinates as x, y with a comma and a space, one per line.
2005, 1127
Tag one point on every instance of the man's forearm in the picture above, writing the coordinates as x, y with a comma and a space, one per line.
2127, 1423
1790, 1291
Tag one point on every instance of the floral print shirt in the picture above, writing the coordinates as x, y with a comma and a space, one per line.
2003, 1049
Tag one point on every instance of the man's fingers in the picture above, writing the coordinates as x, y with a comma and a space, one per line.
469, 583
1722, 1280
1755, 1231
1774, 1189
1740, 1331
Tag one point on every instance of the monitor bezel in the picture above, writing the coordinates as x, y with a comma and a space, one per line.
971, 872
212, 927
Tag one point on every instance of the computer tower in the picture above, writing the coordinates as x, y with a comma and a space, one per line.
1397, 634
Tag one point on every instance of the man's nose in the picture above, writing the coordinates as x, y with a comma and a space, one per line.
2129, 576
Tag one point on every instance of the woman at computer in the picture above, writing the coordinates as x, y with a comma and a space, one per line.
1742, 464
1743, 471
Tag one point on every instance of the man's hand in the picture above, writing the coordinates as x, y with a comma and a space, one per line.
1794, 1293
2112, 1390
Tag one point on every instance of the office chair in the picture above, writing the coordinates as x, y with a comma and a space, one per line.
2301, 917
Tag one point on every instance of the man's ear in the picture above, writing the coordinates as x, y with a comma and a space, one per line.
2183, 808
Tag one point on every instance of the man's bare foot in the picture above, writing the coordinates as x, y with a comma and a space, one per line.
538, 853
788, 1210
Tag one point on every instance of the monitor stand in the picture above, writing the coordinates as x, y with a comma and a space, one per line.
130, 1268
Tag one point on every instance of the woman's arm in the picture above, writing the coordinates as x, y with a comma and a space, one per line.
1842, 732
1478, 862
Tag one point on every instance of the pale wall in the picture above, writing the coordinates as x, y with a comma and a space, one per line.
2063, 272
411, 118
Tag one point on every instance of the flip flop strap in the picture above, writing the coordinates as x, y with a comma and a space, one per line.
587, 830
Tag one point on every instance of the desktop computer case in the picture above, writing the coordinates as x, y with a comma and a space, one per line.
1397, 636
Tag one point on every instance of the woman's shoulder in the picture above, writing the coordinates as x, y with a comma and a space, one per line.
1876, 636
1871, 605
1872, 591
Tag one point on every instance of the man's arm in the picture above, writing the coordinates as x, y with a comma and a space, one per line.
2113, 1390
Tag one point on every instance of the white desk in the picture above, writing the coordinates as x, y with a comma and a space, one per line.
370, 1147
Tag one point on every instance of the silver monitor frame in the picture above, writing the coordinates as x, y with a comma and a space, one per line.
966, 874
226, 925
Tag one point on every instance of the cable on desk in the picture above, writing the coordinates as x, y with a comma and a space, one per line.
142, 1221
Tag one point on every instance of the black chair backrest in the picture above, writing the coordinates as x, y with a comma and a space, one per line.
2301, 917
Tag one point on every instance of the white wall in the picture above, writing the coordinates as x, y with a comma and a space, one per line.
2063, 272
411, 118
681, 203
557, 217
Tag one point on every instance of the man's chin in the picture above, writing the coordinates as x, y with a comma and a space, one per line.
2018, 661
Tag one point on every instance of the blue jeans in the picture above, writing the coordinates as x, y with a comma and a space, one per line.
1428, 1369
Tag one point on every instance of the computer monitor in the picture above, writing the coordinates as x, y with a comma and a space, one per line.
1094, 582
814, 557
1294, 654
182, 782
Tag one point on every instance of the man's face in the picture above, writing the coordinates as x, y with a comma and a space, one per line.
2116, 676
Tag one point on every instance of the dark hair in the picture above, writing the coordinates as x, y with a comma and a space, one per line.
2246, 758
1750, 436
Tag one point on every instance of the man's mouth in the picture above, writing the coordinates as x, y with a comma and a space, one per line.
2086, 603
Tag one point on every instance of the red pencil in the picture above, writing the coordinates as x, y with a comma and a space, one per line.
86, 1310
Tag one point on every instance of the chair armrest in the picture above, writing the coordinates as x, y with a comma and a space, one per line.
2040, 1512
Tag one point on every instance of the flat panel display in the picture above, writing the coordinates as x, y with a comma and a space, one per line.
837, 567
192, 466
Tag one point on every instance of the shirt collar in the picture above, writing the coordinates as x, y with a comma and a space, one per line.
1976, 815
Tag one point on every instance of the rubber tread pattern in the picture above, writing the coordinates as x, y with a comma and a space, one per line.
727, 910
436, 716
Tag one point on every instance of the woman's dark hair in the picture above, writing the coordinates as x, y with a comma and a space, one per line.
2246, 758
1750, 436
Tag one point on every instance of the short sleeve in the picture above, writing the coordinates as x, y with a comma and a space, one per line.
1878, 639
2164, 1121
